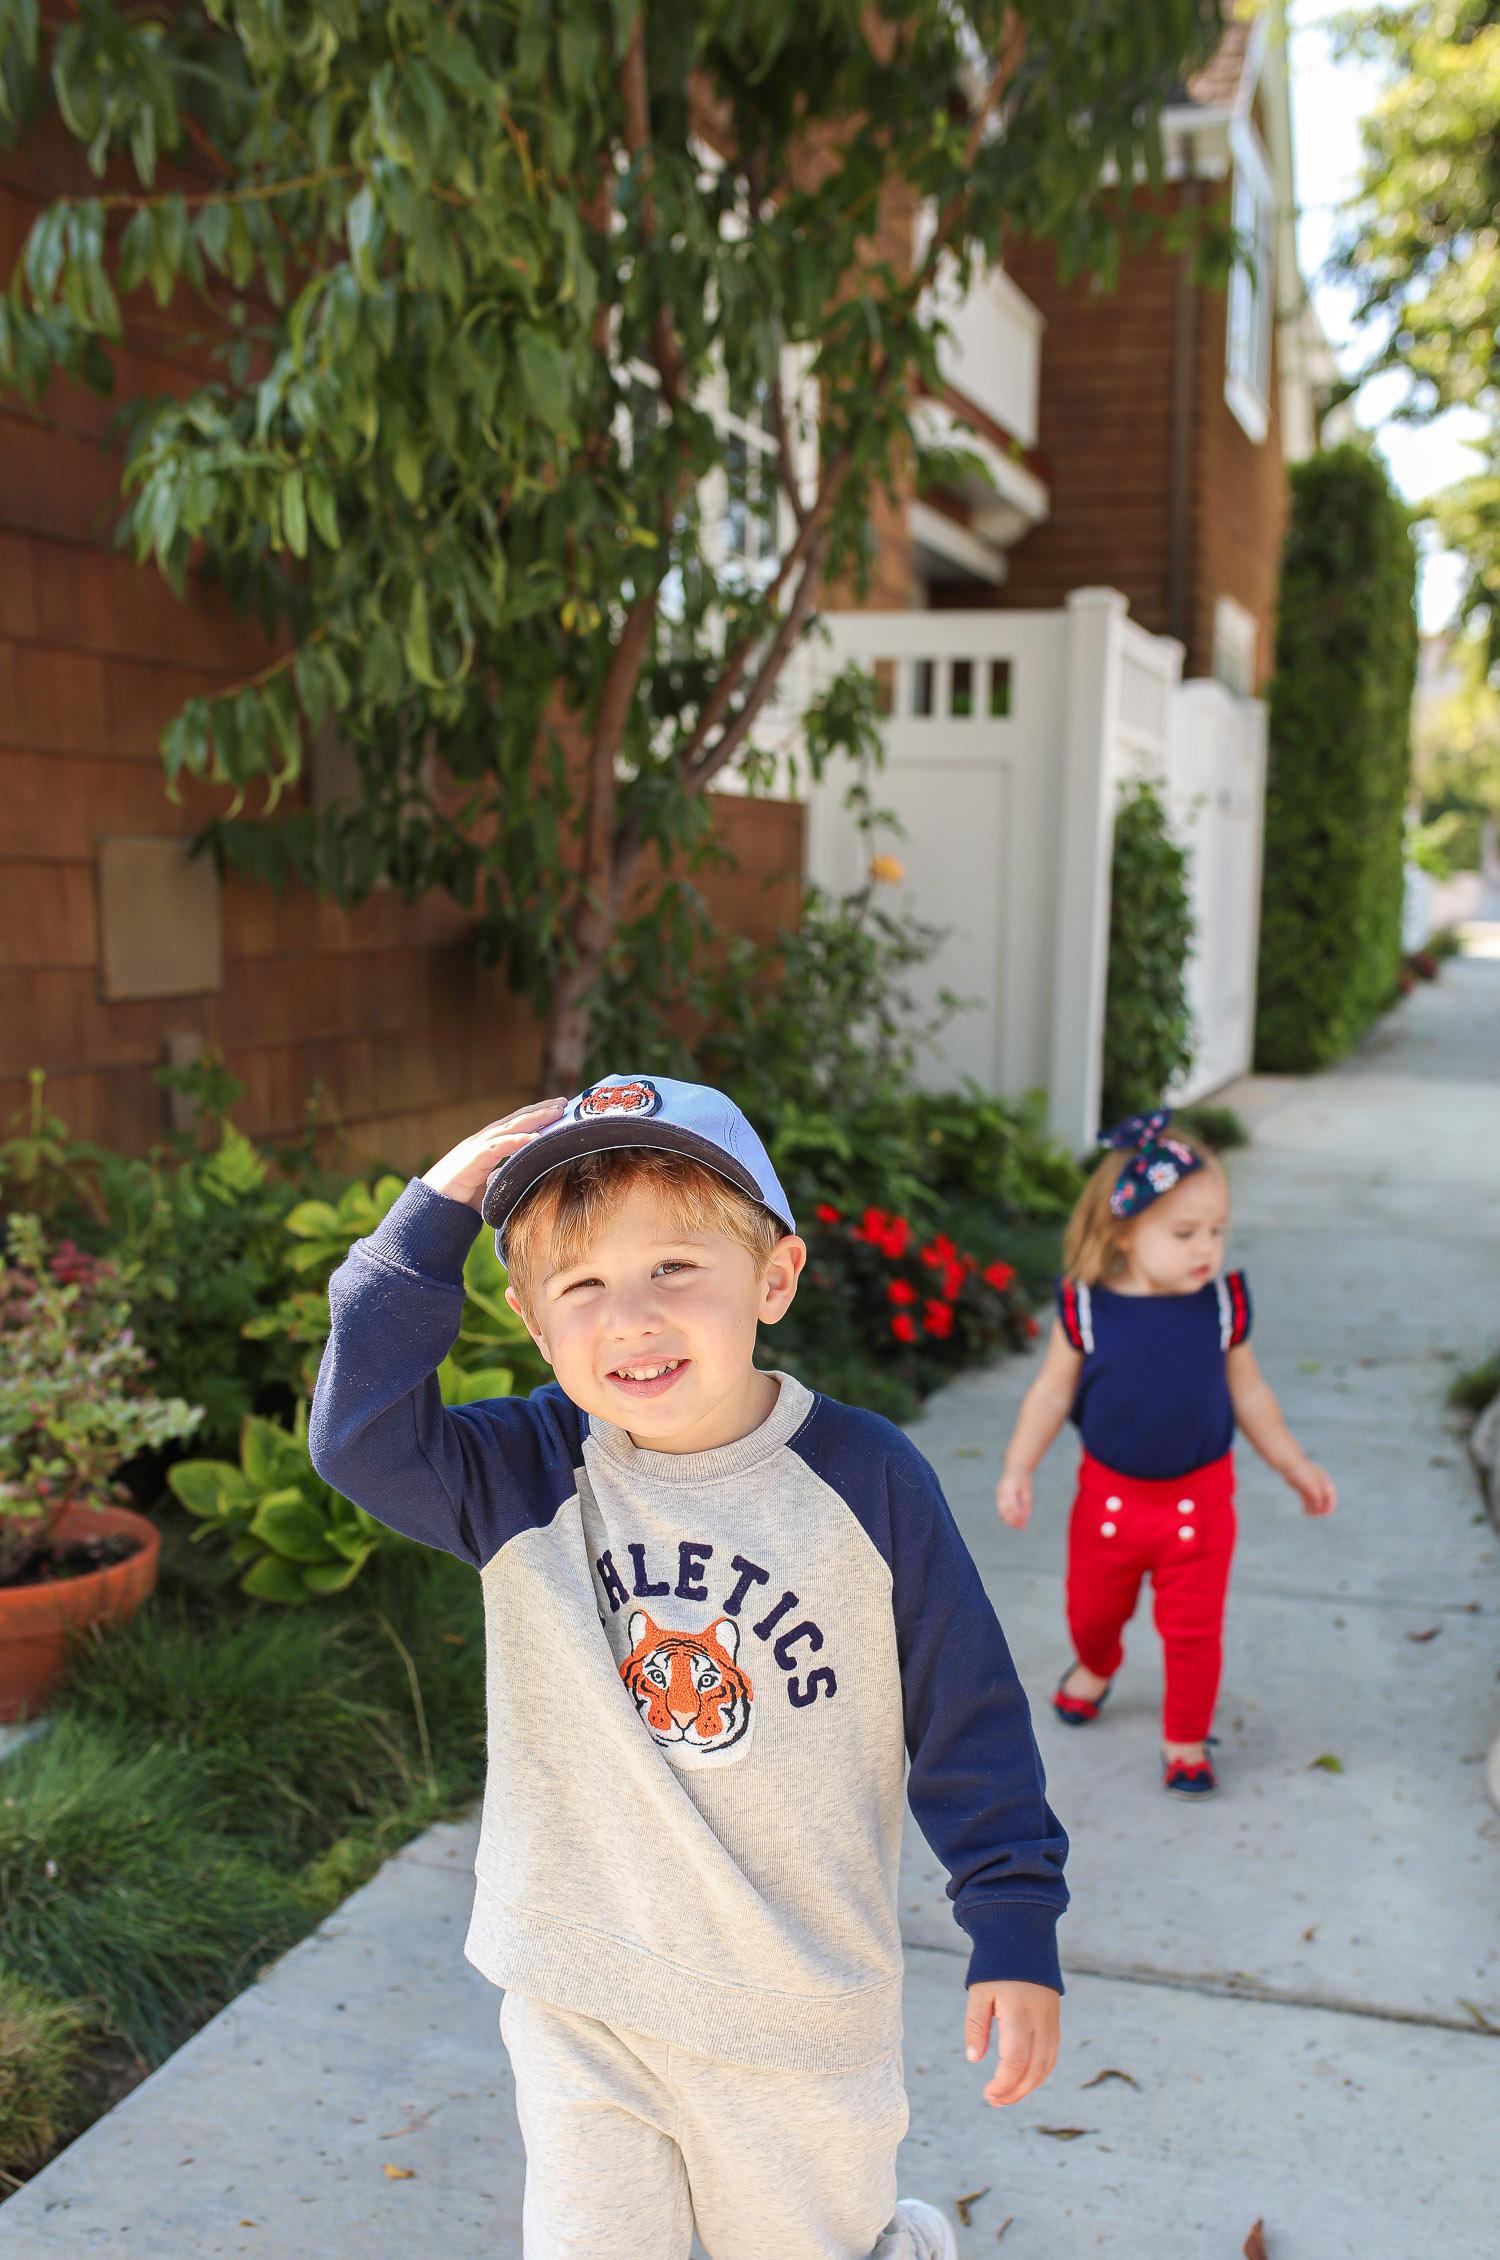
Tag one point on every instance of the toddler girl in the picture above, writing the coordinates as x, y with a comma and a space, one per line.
1150, 1357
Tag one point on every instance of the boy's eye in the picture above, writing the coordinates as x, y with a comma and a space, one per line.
574, 1285
673, 1263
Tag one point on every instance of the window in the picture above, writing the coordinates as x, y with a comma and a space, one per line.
750, 508
1252, 289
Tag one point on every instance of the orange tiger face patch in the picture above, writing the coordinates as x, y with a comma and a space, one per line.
688, 1687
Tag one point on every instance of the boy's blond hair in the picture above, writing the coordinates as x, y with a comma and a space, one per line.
1094, 1242
558, 1221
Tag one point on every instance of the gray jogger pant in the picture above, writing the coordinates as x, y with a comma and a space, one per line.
631, 2144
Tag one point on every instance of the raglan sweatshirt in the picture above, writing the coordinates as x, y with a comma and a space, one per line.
711, 1678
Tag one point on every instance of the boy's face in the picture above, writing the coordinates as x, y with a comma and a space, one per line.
1177, 1245
656, 1333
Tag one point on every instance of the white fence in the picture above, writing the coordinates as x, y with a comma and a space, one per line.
1009, 737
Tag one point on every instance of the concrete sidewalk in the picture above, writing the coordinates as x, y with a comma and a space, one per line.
1297, 1979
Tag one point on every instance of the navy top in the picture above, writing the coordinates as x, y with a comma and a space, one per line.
1153, 1396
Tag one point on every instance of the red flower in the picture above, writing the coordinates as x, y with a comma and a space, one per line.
939, 1252
904, 1327
825, 1214
1032, 1328
1000, 1275
953, 1279
890, 1234
937, 1319
902, 1291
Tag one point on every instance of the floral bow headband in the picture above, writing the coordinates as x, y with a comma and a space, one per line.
1156, 1163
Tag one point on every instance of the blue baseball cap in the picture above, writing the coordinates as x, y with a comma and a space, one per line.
641, 1110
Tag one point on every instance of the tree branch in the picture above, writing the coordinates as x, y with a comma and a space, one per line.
784, 450
715, 757
730, 676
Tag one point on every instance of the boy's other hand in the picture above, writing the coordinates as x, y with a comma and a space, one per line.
1026, 2023
463, 1174
1013, 1499
1315, 1487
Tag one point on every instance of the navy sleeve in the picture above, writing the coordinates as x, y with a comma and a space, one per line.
464, 1479
976, 1784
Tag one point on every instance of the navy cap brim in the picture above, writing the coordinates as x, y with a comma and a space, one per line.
554, 1149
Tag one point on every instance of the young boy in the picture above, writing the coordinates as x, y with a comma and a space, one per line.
721, 1614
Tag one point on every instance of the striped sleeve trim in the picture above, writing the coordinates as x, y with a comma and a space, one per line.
1075, 1307
1234, 1310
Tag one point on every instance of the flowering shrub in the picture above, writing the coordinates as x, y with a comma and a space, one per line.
880, 1294
73, 1401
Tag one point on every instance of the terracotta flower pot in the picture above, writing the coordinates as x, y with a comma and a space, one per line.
38, 1621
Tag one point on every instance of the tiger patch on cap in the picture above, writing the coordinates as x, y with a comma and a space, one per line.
637, 1097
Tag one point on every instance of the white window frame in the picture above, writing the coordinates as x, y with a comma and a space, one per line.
1251, 313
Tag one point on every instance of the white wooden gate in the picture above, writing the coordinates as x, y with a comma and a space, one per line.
1008, 738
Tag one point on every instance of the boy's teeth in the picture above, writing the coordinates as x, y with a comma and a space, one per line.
647, 1372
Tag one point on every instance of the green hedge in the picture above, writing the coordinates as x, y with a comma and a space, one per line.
1148, 1029
1340, 763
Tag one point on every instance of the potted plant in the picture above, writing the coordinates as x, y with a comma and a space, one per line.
73, 1408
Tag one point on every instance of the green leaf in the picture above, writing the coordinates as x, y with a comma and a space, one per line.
209, 1488
269, 1456
460, 1388
287, 1523
407, 466
275, 1580
294, 512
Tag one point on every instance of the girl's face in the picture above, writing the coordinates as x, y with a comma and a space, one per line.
1177, 1245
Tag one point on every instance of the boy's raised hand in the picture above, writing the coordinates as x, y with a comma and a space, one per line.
1025, 2018
463, 1174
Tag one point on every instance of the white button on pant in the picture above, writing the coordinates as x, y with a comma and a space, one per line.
1106, 1530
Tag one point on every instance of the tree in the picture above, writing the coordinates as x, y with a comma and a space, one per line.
1420, 248
558, 351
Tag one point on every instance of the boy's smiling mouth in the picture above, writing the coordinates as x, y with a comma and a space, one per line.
648, 1377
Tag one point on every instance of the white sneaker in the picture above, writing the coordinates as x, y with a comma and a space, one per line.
932, 2230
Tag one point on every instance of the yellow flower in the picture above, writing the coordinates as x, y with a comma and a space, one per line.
888, 870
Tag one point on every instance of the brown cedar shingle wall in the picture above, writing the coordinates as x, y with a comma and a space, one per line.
1106, 437
384, 1006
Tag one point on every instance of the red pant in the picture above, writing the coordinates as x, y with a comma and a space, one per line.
1182, 1534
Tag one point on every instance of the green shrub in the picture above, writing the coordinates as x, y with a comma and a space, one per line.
1216, 1126
39, 2045
1340, 763
1473, 1389
1148, 1029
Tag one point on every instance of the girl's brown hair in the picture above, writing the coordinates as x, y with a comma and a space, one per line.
1094, 1242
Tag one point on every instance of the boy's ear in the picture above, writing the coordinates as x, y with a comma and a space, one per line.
778, 1287
524, 1316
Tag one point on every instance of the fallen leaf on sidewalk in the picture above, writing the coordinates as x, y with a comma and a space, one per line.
1484, 2023
961, 2204
400, 2173
1311, 1931
1255, 2242
1328, 1763
249, 2224
1109, 2073
1421, 1638
1004, 2225
1066, 2134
